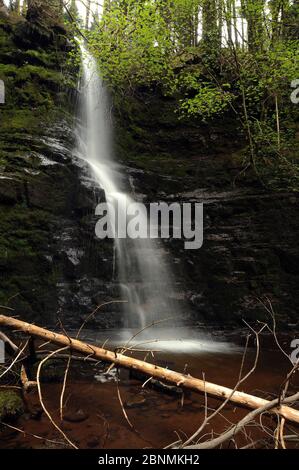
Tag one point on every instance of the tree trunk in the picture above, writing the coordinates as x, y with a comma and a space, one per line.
235, 20
275, 6
254, 11
3, 10
87, 18
17, 6
210, 28
228, 14
24, 8
49, 11
181, 380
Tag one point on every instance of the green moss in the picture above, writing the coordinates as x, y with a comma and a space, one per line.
164, 164
5, 38
41, 57
19, 119
37, 83
23, 228
11, 405
28, 72
30, 85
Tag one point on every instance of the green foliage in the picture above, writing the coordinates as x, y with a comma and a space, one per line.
207, 102
206, 99
133, 45
155, 44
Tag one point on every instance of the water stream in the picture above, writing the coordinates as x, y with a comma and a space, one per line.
145, 281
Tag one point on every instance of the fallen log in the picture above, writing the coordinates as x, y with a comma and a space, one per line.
156, 372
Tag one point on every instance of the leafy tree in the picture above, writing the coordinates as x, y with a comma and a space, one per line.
212, 56
43, 9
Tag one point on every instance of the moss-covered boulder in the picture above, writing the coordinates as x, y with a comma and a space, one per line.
11, 405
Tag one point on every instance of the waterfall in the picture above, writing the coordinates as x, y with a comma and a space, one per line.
145, 281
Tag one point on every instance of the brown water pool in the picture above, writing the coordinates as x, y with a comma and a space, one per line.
94, 416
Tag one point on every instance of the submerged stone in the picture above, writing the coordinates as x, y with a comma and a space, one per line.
135, 402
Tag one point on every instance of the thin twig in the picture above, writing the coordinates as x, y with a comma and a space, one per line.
41, 398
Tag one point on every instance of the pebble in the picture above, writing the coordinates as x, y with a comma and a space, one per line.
135, 402
76, 416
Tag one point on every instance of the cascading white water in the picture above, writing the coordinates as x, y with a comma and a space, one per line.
145, 281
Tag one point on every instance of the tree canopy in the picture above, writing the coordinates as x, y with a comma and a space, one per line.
211, 56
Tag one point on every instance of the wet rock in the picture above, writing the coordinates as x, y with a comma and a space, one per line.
169, 389
50, 445
10, 189
36, 412
186, 403
247, 251
77, 416
136, 402
105, 377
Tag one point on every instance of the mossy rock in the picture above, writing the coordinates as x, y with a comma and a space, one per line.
11, 405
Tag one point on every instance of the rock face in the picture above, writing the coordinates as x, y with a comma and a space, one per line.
250, 251
51, 264
249, 254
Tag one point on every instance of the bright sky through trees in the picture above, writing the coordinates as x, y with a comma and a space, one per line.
95, 5
82, 4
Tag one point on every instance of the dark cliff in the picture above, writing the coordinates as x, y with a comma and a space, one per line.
51, 264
